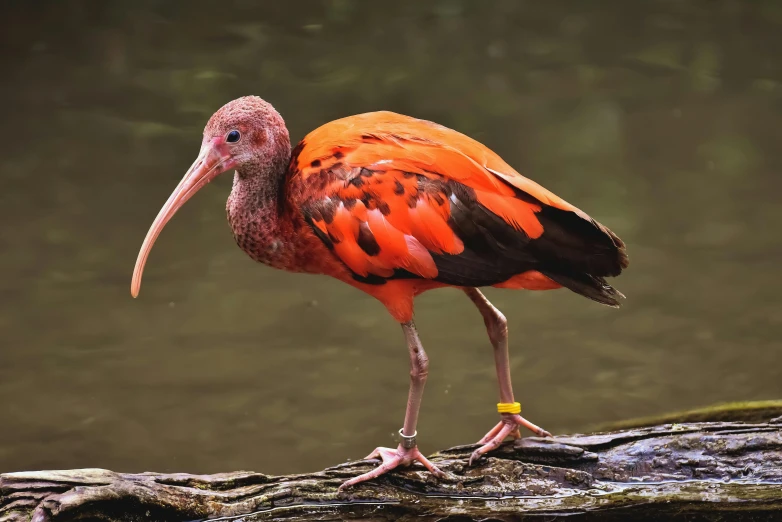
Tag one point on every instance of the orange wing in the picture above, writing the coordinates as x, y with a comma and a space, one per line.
394, 196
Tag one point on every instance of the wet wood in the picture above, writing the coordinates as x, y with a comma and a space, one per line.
676, 471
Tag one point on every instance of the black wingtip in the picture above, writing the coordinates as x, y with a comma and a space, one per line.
591, 287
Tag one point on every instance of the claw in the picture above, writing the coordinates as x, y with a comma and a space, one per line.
508, 426
392, 459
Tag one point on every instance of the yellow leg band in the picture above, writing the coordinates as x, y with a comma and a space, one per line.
509, 407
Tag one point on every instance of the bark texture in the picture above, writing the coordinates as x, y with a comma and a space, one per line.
690, 471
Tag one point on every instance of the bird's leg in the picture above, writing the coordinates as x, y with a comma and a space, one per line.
407, 451
497, 328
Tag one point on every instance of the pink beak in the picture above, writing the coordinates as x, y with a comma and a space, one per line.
213, 160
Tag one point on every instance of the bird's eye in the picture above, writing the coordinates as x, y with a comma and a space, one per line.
233, 136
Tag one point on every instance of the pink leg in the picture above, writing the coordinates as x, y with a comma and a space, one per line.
497, 328
407, 452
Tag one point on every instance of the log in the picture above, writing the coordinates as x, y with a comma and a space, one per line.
685, 471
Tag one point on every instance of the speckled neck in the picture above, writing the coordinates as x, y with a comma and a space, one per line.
255, 209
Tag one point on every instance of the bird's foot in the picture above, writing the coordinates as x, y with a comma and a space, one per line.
508, 426
392, 458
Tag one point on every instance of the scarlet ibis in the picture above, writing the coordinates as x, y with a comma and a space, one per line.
396, 206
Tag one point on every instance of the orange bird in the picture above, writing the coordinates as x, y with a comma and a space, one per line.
395, 206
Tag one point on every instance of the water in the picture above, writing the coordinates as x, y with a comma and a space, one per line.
662, 121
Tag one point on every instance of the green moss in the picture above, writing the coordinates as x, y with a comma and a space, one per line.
747, 411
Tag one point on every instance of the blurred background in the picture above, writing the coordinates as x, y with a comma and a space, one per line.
659, 118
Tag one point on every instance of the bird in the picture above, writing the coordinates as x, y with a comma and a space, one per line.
396, 206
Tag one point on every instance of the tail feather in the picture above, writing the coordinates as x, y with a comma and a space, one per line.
594, 288
579, 243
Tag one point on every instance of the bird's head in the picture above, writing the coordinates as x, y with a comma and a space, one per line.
246, 134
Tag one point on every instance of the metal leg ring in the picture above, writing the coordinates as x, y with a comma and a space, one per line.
408, 441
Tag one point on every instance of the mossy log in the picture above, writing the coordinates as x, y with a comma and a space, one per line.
690, 471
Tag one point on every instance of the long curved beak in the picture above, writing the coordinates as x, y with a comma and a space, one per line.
211, 162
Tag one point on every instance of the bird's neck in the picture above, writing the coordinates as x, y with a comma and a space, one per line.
256, 209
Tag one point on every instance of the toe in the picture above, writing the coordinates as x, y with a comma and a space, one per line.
534, 428
374, 455
506, 430
492, 433
480, 452
391, 459
474, 457
385, 467
492, 444
434, 470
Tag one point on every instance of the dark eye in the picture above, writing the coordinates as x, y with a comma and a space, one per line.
233, 136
